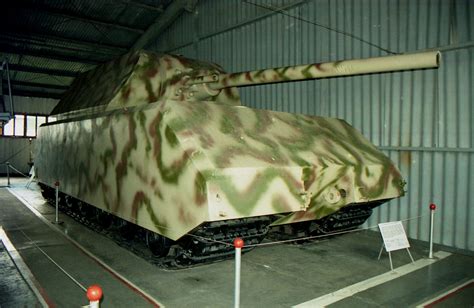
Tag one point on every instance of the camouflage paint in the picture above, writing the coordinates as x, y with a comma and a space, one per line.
330, 69
154, 155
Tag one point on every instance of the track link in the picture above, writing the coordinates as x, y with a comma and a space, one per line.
348, 218
211, 242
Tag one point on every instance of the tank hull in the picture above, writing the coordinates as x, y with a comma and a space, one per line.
170, 168
151, 140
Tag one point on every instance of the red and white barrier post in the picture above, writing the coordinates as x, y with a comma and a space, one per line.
238, 244
94, 294
432, 210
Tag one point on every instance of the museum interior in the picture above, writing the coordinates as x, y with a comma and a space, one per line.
237, 153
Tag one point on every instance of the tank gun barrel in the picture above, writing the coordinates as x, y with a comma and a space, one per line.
322, 70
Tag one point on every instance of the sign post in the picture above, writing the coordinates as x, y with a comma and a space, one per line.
394, 238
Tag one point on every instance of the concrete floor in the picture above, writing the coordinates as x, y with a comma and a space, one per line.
14, 290
283, 275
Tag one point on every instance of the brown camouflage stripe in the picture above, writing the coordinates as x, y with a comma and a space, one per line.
168, 162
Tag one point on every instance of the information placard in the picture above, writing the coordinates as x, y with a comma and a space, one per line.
394, 236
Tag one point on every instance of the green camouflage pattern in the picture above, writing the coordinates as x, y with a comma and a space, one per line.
139, 78
154, 155
400, 62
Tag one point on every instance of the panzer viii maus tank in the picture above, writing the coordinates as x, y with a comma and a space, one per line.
162, 142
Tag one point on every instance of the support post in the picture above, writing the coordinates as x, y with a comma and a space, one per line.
8, 174
94, 294
56, 220
381, 250
411, 257
238, 244
391, 263
432, 210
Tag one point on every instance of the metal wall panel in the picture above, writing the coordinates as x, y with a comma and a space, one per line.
422, 119
33, 105
19, 151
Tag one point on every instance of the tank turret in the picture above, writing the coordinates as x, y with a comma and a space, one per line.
162, 142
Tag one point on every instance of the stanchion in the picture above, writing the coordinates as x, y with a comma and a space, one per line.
94, 294
432, 210
8, 174
238, 244
56, 220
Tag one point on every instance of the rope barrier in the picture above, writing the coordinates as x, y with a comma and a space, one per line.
21, 173
412, 218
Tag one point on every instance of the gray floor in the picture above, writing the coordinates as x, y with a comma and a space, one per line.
420, 286
14, 290
272, 276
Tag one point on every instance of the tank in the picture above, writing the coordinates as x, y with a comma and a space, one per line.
162, 142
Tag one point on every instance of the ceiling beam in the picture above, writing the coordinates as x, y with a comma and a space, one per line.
42, 40
47, 54
163, 21
143, 5
39, 70
20, 83
90, 20
42, 94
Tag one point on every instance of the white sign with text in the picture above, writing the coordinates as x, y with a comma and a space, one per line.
394, 236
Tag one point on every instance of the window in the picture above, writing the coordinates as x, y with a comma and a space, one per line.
30, 126
19, 125
24, 125
8, 128
40, 120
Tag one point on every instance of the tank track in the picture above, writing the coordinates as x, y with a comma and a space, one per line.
209, 243
348, 218
213, 241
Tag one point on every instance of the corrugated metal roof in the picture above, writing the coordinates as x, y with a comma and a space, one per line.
58, 36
